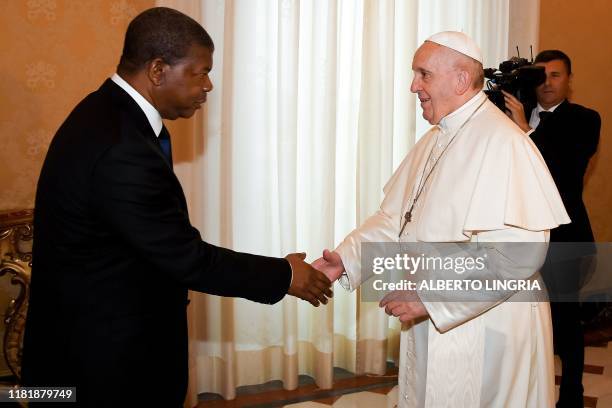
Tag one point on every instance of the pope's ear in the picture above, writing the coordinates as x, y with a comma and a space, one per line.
464, 82
156, 70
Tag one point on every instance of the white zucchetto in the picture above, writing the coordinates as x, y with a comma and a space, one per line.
459, 42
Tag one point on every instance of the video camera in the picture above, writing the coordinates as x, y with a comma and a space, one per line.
518, 77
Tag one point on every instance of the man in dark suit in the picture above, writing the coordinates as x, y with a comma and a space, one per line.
114, 251
567, 135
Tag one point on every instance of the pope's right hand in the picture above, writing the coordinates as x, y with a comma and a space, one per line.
330, 264
308, 283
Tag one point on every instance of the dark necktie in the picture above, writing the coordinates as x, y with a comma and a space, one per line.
544, 115
165, 144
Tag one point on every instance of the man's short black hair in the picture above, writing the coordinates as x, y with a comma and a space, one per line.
550, 55
160, 32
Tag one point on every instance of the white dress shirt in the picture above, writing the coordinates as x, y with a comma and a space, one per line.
149, 110
534, 120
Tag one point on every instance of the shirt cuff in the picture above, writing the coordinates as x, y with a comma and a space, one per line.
290, 280
345, 282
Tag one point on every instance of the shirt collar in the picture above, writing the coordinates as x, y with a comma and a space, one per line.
452, 121
149, 110
539, 108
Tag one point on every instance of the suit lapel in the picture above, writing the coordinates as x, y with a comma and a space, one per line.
562, 108
140, 121
545, 128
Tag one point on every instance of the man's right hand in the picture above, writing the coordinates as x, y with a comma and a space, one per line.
516, 111
308, 283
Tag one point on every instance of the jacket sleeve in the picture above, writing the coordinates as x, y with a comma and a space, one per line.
589, 137
136, 194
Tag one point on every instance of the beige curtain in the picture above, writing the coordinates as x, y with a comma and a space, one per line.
310, 114
524, 27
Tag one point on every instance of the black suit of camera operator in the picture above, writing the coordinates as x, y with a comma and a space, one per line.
567, 135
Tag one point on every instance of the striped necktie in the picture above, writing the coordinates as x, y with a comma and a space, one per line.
165, 144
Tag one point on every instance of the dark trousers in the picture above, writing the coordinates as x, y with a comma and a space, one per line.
569, 346
563, 282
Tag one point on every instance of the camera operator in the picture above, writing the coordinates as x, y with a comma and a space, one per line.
567, 135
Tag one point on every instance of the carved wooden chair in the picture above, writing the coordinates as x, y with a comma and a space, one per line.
16, 263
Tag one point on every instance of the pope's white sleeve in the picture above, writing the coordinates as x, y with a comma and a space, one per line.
377, 228
511, 253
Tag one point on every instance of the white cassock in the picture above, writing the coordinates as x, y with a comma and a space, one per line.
490, 185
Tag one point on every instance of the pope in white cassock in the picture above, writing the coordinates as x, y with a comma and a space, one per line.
473, 177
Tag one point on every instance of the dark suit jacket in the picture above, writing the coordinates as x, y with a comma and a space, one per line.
114, 254
567, 139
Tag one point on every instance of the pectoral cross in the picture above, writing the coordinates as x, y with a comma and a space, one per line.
407, 219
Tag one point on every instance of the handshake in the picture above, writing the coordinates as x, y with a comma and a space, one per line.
312, 282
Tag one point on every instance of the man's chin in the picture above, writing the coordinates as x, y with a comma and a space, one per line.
170, 115
187, 113
549, 103
428, 118
184, 113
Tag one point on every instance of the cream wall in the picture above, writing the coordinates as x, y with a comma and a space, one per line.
54, 52
585, 34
